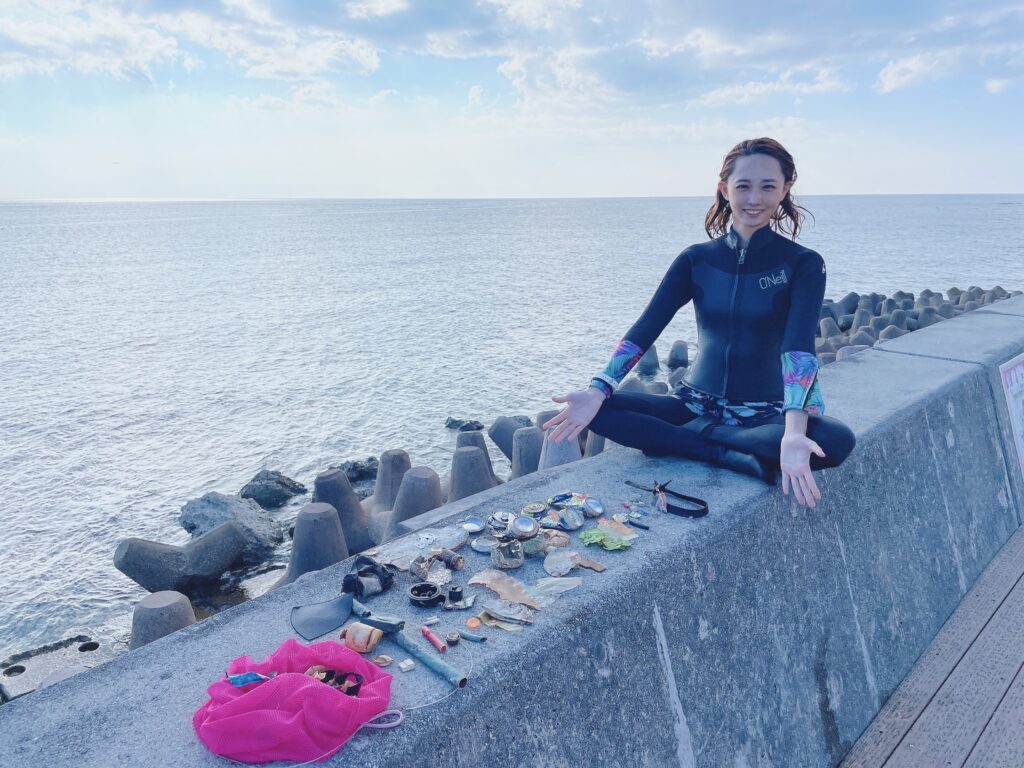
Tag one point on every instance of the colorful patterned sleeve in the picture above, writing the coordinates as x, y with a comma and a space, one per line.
626, 355
800, 382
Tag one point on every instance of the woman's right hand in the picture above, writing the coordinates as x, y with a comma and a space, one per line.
575, 417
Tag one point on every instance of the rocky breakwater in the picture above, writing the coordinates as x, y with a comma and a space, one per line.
860, 321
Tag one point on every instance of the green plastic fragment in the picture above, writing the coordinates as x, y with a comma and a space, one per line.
605, 539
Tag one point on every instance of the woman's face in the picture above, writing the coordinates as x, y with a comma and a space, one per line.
754, 191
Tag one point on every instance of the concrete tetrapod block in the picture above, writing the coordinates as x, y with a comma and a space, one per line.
927, 316
848, 302
649, 362
544, 416
879, 323
160, 614
503, 428
891, 332
945, 310
679, 355
829, 327
333, 488
675, 377
898, 318
557, 454
595, 444
888, 306
392, 465
420, 492
470, 473
845, 322
826, 357
861, 317
319, 541
862, 338
850, 351
632, 384
526, 447
476, 438
658, 388
157, 566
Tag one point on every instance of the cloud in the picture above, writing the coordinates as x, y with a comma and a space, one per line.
997, 85
535, 14
912, 70
381, 96
825, 81
475, 96
365, 9
92, 40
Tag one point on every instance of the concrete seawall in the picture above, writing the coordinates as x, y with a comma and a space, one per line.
765, 634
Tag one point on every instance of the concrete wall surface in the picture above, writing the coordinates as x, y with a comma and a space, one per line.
764, 634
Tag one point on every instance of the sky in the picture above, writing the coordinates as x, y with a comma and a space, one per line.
503, 98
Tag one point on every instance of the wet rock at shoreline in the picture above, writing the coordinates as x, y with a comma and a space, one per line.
207, 512
463, 425
361, 473
270, 489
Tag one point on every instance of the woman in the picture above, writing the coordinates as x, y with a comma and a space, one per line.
751, 400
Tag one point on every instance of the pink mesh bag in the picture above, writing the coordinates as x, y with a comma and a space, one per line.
291, 716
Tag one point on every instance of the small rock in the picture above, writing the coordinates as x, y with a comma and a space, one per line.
270, 489
358, 470
462, 425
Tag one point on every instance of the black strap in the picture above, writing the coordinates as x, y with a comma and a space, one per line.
698, 507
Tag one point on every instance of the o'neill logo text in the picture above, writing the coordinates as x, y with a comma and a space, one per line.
770, 281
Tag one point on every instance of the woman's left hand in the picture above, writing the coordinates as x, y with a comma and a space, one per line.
795, 460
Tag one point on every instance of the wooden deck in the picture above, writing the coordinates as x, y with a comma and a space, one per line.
962, 705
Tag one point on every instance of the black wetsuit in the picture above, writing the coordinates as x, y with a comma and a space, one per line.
757, 309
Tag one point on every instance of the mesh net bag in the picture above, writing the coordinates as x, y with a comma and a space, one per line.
291, 716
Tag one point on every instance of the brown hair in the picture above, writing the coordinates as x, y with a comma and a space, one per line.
787, 219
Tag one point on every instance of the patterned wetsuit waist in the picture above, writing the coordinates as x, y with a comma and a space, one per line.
733, 412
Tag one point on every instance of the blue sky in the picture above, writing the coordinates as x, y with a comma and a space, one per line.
482, 98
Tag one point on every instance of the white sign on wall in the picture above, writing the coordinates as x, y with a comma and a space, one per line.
1012, 375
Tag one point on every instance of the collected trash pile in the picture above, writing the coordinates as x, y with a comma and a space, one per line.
303, 702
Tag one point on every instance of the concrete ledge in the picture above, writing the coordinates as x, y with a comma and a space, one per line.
764, 634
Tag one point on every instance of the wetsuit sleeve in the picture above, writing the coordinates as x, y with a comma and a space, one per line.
799, 362
675, 290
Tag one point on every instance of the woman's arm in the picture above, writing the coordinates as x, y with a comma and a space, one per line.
799, 361
673, 292
802, 394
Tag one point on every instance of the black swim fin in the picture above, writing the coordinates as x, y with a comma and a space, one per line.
312, 621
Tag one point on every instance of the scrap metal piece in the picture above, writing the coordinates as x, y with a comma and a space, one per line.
484, 544
402, 551
593, 565
406, 665
618, 529
507, 611
471, 637
561, 561
534, 509
473, 524
546, 590
508, 554
506, 587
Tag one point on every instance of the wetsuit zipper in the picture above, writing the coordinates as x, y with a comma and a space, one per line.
741, 256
